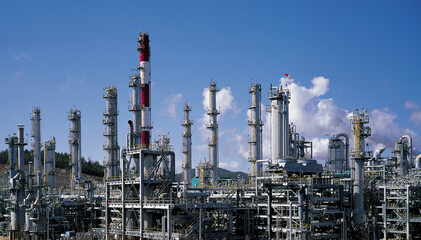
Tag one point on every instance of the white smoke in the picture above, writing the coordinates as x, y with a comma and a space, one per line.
172, 102
416, 112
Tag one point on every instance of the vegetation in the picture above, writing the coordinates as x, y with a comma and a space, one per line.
62, 161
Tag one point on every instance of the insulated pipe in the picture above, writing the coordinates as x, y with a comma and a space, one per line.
187, 143
36, 135
418, 162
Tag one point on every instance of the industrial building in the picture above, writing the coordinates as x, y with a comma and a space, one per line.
355, 195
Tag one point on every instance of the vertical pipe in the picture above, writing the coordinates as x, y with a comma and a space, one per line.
213, 127
255, 122
111, 135
359, 156
279, 115
187, 123
135, 108
74, 142
50, 163
145, 76
36, 135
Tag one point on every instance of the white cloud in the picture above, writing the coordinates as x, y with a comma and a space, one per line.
416, 112
172, 102
20, 56
385, 130
229, 165
233, 144
224, 101
310, 113
320, 148
72, 82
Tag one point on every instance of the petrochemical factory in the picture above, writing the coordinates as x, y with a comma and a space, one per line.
357, 194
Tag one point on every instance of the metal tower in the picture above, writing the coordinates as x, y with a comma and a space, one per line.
255, 121
111, 144
279, 118
187, 123
145, 78
359, 155
50, 163
213, 127
36, 143
75, 145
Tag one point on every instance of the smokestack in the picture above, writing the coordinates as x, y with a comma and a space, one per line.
111, 143
145, 78
213, 127
36, 144
187, 123
255, 122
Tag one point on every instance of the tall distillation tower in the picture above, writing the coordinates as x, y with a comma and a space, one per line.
50, 163
111, 143
75, 145
279, 101
187, 123
213, 127
255, 122
36, 143
358, 156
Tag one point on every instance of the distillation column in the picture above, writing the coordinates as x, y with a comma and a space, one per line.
359, 155
17, 189
75, 145
36, 144
279, 119
187, 123
50, 164
255, 122
111, 143
145, 77
213, 127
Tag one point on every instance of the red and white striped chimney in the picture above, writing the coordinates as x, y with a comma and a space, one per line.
145, 77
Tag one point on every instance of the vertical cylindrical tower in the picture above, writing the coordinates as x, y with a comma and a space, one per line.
74, 141
256, 123
358, 156
279, 118
36, 142
21, 151
13, 154
187, 123
50, 163
213, 127
338, 152
135, 108
111, 143
145, 77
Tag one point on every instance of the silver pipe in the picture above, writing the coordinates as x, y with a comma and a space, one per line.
187, 143
36, 135
213, 127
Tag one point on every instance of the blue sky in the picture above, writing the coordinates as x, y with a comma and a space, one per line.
59, 54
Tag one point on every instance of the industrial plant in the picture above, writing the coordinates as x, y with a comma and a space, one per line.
356, 194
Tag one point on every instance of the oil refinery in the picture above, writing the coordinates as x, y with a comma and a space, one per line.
355, 195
